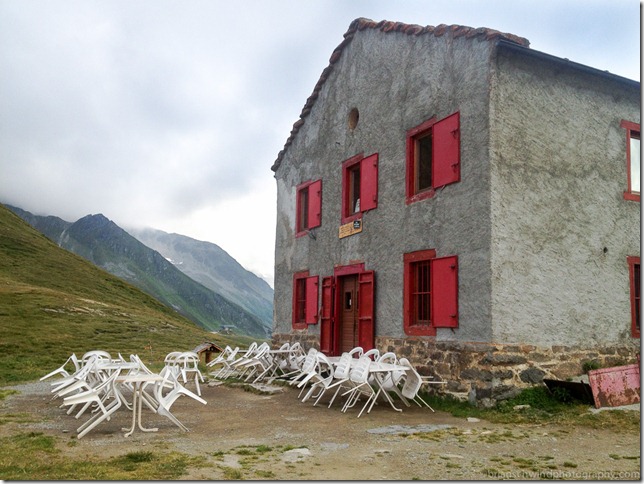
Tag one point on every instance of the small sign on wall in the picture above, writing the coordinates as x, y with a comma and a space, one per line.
351, 228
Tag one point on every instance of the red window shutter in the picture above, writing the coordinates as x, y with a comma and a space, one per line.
311, 314
369, 183
446, 155
366, 307
315, 204
326, 325
444, 280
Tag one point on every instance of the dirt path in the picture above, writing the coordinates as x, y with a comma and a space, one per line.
251, 436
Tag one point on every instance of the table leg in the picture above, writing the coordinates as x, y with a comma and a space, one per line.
130, 431
137, 401
144, 429
385, 393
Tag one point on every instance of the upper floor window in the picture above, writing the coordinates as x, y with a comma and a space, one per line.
430, 292
308, 207
633, 160
433, 157
359, 186
635, 284
305, 299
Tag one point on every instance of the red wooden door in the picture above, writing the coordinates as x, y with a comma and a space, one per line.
327, 319
348, 313
366, 310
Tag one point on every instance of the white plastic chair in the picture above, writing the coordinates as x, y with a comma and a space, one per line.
359, 378
62, 369
340, 377
226, 363
307, 372
413, 382
293, 363
164, 401
188, 363
97, 396
223, 355
373, 353
356, 352
322, 378
84, 379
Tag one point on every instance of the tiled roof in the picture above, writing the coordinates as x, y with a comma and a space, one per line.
387, 26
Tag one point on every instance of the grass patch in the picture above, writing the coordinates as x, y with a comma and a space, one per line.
35, 456
544, 408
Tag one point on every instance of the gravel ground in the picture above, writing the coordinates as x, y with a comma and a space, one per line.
298, 441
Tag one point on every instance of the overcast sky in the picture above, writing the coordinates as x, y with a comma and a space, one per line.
169, 114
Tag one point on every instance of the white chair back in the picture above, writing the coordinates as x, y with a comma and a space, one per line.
360, 371
343, 368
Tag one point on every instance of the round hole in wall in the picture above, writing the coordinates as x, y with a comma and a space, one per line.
605, 250
354, 117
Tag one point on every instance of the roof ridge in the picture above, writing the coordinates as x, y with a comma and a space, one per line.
386, 26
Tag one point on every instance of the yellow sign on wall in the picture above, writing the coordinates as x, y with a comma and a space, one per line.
351, 228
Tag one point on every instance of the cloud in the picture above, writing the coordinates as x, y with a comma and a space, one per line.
170, 113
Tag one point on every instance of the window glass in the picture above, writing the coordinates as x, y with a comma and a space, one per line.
635, 162
424, 163
636, 296
422, 294
303, 219
354, 189
300, 301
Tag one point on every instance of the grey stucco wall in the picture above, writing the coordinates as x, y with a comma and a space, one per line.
396, 81
561, 229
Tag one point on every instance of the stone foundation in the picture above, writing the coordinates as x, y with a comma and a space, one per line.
485, 373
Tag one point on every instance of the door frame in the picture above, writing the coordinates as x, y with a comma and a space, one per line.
338, 273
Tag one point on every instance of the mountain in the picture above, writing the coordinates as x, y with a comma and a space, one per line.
54, 303
101, 241
210, 265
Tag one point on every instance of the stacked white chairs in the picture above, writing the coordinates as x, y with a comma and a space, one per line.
233, 367
99, 384
364, 376
246, 363
292, 365
258, 364
278, 361
225, 359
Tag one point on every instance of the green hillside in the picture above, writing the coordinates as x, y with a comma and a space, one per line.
53, 303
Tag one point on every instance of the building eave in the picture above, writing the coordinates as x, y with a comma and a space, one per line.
516, 48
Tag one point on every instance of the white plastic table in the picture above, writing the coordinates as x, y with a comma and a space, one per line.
380, 372
138, 380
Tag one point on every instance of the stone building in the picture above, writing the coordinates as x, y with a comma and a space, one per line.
452, 195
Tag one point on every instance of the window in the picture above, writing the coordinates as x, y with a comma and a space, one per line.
635, 284
305, 299
633, 160
359, 186
430, 291
433, 157
308, 207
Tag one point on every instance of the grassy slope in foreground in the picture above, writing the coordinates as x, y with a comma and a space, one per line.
53, 303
